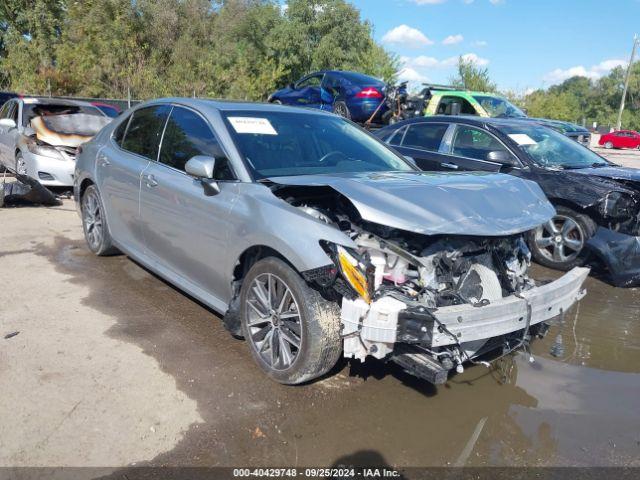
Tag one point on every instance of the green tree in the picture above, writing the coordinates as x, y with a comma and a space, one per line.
473, 77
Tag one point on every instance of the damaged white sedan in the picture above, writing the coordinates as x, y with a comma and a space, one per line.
39, 137
316, 240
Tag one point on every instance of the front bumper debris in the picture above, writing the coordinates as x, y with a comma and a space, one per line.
620, 253
375, 329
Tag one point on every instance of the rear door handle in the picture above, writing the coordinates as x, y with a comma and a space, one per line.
150, 180
452, 166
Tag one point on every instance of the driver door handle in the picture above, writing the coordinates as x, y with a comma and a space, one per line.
452, 166
150, 180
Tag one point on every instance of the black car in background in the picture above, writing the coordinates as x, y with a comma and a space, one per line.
597, 202
6, 96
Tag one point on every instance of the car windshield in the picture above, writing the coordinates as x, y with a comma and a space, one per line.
551, 149
283, 143
360, 79
498, 107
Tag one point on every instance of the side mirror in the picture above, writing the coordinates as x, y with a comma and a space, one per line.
8, 123
503, 157
202, 167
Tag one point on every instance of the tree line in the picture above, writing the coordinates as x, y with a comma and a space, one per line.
241, 49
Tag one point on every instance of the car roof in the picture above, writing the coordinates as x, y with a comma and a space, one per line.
465, 119
233, 105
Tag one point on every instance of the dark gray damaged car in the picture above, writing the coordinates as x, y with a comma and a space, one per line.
316, 240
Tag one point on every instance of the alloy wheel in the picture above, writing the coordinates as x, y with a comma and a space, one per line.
341, 109
21, 166
560, 240
92, 218
273, 321
608, 145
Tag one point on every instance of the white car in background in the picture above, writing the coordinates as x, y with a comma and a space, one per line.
39, 137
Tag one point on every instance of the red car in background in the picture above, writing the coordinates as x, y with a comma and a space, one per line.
621, 139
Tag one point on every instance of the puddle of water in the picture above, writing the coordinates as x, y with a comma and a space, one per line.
579, 409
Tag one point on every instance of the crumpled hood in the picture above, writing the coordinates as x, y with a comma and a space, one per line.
67, 130
469, 203
613, 172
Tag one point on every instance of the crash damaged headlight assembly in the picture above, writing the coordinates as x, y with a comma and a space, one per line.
38, 148
355, 270
619, 206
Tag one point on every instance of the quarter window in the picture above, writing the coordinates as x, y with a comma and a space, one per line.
145, 129
445, 106
474, 143
186, 136
426, 136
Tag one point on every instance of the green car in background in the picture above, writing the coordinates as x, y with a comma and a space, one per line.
443, 100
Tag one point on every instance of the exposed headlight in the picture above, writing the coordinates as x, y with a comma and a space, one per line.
353, 269
46, 151
618, 205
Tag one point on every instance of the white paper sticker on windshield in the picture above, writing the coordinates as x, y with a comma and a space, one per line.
522, 139
261, 126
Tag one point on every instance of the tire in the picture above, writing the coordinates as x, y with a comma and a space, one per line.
340, 108
276, 102
560, 243
608, 145
21, 165
94, 223
311, 322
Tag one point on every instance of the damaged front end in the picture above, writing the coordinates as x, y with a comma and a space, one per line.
430, 303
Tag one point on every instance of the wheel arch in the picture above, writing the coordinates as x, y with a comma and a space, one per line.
249, 257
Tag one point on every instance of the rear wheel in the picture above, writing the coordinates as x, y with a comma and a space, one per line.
560, 243
608, 145
340, 108
94, 223
293, 333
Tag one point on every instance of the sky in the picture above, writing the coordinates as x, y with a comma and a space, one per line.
525, 44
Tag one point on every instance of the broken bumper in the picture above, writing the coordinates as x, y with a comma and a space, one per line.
374, 329
468, 323
621, 255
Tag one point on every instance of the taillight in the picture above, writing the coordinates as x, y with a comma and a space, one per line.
369, 92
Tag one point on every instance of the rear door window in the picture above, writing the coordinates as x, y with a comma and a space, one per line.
187, 135
474, 143
145, 129
426, 136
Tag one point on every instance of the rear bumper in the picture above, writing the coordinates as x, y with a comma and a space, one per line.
620, 254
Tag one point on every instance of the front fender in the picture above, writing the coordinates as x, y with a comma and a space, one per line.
259, 218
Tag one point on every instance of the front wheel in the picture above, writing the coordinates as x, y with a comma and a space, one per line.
21, 164
560, 243
608, 145
292, 331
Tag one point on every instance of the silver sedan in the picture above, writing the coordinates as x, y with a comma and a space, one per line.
314, 239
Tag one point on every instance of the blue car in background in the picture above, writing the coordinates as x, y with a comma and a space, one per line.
350, 94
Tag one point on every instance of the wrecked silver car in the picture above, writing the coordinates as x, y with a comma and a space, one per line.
316, 240
39, 137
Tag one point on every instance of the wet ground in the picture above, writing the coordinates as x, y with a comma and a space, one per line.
579, 407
